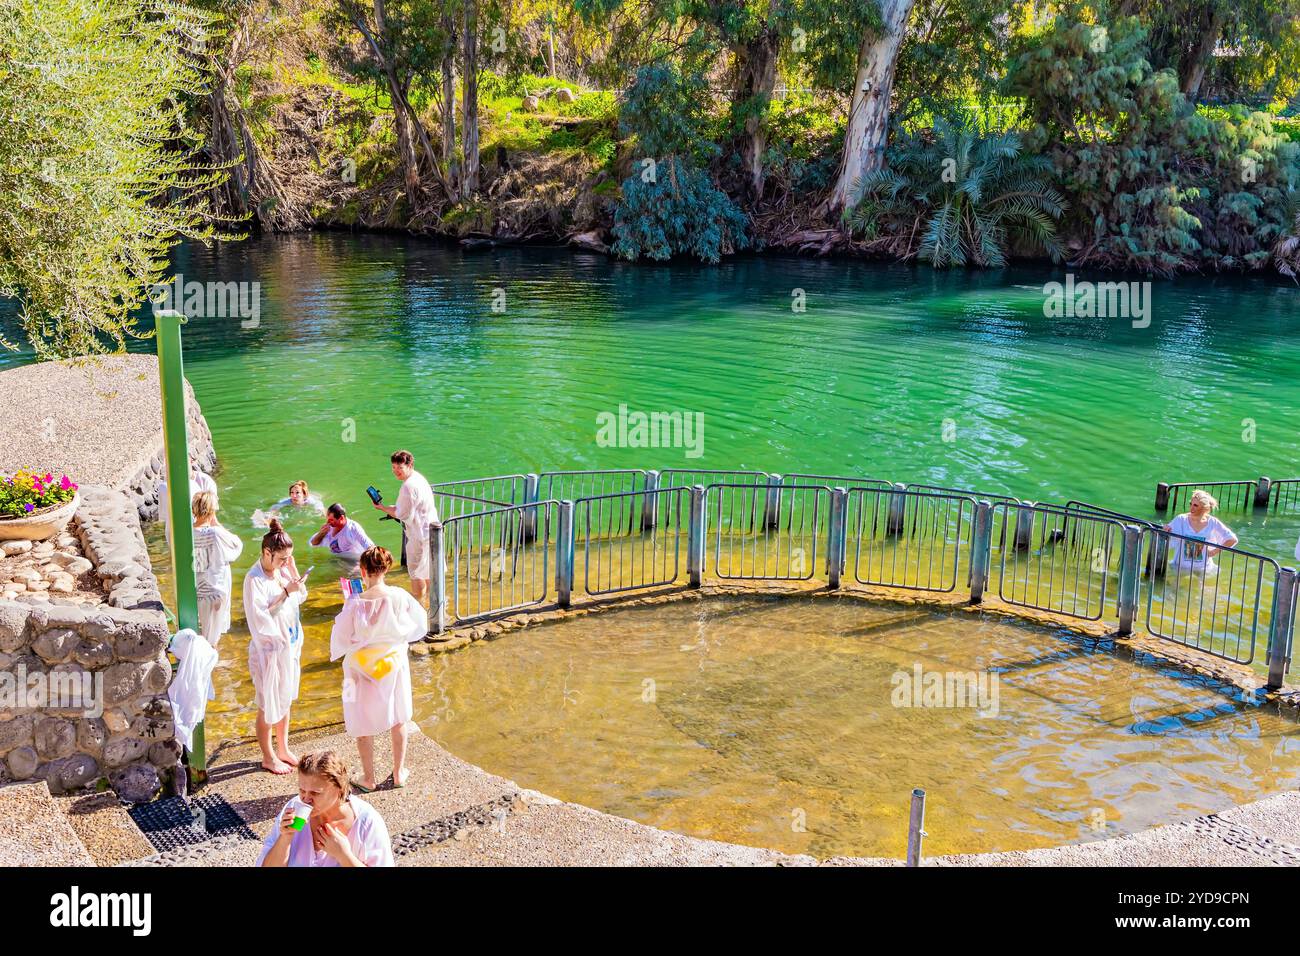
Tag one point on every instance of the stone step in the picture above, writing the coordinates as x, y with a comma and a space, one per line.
34, 829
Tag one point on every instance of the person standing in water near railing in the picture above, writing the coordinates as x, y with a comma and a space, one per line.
371, 634
416, 510
1210, 534
273, 594
215, 549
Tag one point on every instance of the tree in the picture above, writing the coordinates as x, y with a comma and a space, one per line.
98, 170
868, 127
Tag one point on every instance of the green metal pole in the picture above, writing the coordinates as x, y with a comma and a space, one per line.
171, 378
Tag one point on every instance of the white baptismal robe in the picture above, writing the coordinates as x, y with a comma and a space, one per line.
215, 549
416, 510
276, 644
380, 618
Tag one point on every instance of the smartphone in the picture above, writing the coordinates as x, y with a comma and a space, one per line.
374, 494
307, 572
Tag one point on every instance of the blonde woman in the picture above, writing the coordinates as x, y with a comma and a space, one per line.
273, 593
215, 549
1202, 536
341, 830
371, 634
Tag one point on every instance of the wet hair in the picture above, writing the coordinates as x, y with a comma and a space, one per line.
376, 560
402, 457
336, 511
276, 540
327, 764
203, 504
299, 485
1210, 501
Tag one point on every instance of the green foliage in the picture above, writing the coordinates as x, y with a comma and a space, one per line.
670, 205
679, 212
97, 178
954, 197
1158, 186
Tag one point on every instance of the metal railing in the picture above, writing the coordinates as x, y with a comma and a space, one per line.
632, 540
1078, 560
1219, 603
1231, 495
765, 540
1056, 560
909, 539
490, 562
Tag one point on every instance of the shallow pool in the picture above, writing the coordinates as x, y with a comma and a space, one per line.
802, 725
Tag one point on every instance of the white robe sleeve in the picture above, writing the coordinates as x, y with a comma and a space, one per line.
272, 835
231, 546
411, 618
261, 625
376, 844
343, 634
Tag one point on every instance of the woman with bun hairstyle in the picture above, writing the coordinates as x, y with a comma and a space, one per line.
273, 594
371, 634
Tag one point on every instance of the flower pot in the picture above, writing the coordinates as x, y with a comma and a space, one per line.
39, 525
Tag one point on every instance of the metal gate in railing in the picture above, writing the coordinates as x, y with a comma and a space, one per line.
755, 538
1231, 495
497, 561
686, 478
452, 498
632, 540
1219, 603
572, 485
1285, 496
909, 539
1051, 559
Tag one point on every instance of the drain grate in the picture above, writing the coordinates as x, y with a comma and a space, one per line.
174, 822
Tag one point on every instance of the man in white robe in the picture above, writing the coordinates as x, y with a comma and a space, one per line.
416, 510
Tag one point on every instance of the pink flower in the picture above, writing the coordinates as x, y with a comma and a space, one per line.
64, 483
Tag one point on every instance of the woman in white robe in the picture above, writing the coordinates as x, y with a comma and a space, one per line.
371, 634
215, 549
273, 594
341, 830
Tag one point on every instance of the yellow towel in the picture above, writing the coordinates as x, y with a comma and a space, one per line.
375, 662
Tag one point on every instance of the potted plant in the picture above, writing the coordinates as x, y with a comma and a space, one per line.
35, 505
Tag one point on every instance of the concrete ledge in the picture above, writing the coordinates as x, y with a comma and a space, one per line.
99, 420
34, 831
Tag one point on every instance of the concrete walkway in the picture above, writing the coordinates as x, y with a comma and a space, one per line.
451, 813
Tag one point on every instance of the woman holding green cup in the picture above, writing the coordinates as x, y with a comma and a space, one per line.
325, 825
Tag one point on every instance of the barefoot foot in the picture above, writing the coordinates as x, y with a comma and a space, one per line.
276, 766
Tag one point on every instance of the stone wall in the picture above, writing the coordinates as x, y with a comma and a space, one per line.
143, 485
123, 732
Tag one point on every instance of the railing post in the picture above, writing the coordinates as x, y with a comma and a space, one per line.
916, 828
897, 509
564, 555
695, 538
531, 483
837, 536
1158, 556
1130, 565
1262, 489
772, 503
1162, 497
981, 550
438, 593
650, 506
1024, 538
1281, 628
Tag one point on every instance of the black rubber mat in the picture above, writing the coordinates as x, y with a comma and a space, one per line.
173, 822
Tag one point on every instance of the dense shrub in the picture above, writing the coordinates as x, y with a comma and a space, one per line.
1156, 185
670, 204
954, 196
